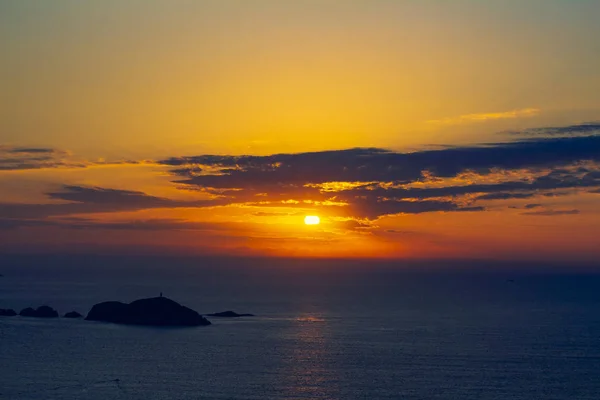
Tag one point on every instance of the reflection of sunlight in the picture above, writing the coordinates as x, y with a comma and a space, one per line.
309, 318
310, 368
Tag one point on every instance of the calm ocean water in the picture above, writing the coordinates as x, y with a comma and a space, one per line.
355, 331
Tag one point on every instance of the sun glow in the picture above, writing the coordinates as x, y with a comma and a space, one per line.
312, 220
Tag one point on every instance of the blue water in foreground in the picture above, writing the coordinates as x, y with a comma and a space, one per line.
321, 332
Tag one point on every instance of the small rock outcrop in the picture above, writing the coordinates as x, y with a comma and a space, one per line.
7, 312
156, 311
73, 314
27, 312
229, 314
40, 312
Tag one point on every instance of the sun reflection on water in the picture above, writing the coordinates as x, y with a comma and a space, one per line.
310, 367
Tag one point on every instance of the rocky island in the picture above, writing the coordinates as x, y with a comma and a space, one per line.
7, 312
156, 311
73, 314
229, 314
40, 312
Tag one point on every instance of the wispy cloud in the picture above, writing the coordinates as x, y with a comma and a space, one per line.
483, 117
586, 129
551, 213
89, 200
21, 158
506, 196
25, 150
275, 214
532, 206
134, 225
37, 158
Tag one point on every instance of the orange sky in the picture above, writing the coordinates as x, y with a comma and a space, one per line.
413, 129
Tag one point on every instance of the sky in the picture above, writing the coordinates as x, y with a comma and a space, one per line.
413, 129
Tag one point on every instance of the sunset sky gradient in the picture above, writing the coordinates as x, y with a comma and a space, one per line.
413, 129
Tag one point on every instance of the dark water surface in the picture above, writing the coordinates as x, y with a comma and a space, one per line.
354, 331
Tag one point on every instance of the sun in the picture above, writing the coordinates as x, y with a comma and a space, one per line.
312, 220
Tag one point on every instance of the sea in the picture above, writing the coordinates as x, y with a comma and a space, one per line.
322, 329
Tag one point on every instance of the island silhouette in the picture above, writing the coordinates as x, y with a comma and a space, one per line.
40, 312
229, 314
7, 312
154, 311
73, 314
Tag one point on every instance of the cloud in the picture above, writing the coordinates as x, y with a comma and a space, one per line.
135, 225
85, 200
483, 117
354, 224
96, 195
505, 196
552, 213
33, 158
589, 128
23, 158
373, 208
408, 234
511, 189
11, 223
20, 158
274, 214
29, 150
369, 164
532, 206
372, 182
358, 183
